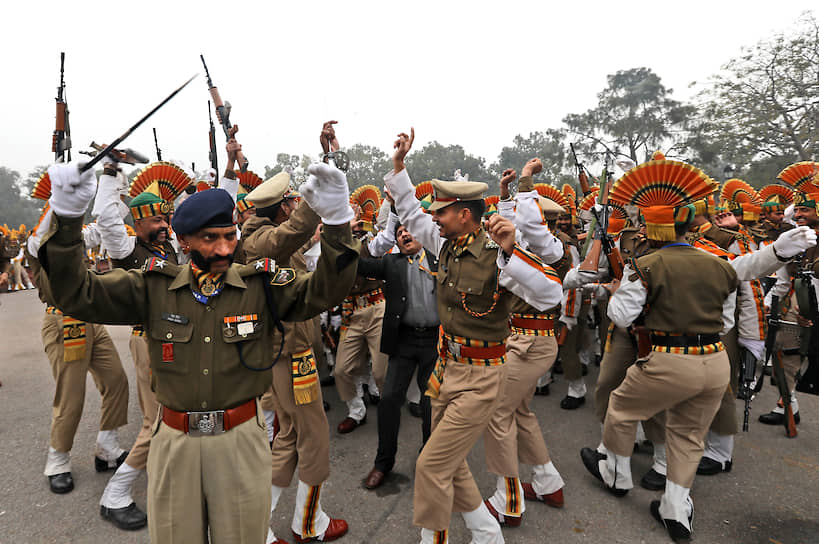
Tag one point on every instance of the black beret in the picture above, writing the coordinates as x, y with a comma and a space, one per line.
210, 208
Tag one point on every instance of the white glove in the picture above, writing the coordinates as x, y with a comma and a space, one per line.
754, 345
110, 189
71, 191
327, 193
793, 242
570, 322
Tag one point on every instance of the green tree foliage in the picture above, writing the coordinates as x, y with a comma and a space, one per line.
635, 116
437, 161
16, 206
763, 108
549, 146
368, 165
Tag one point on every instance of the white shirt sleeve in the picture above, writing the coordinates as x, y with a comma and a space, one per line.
728, 308
529, 282
628, 301
383, 242
756, 264
532, 225
410, 213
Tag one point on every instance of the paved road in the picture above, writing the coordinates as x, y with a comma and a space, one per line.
770, 497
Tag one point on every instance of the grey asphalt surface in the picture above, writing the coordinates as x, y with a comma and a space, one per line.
770, 497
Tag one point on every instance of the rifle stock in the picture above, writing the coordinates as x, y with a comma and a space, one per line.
223, 115
582, 177
61, 139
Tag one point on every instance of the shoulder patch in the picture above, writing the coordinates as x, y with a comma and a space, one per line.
283, 276
257, 266
155, 264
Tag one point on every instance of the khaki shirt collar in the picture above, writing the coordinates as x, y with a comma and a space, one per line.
476, 246
185, 278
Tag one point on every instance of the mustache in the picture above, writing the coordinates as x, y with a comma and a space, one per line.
154, 236
203, 263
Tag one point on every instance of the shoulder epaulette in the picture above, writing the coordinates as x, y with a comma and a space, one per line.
641, 273
155, 264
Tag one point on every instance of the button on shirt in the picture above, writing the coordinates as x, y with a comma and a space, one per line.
421, 309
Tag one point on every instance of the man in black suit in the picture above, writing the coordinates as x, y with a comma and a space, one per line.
409, 335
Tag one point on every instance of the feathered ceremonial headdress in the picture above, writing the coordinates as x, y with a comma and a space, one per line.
368, 199
663, 190
618, 218
799, 174
552, 193
571, 199
588, 201
155, 188
491, 205
775, 198
423, 192
248, 180
42, 189
739, 196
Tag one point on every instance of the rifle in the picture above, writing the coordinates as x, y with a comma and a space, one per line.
774, 322
61, 139
125, 155
747, 375
223, 114
582, 177
156, 144
602, 240
214, 158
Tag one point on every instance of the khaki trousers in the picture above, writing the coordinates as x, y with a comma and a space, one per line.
513, 432
102, 361
138, 456
221, 482
688, 387
468, 396
303, 439
616, 361
725, 421
362, 335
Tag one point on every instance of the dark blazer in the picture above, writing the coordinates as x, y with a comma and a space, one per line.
392, 269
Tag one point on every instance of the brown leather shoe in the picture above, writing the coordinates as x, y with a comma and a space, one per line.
348, 425
505, 521
554, 500
336, 529
374, 479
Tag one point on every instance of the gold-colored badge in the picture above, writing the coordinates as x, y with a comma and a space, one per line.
208, 287
304, 367
229, 332
75, 331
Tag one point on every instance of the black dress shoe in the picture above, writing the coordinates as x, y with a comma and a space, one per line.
773, 418
368, 397
676, 530
709, 467
542, 390
129, 518
102, 465
61, 483
415, 409
591, 459
572, 403
653, 481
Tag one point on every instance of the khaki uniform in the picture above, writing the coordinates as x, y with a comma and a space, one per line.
100, 358
138, 346
361, 336
470, 393
688, 387
303, 437
199, 363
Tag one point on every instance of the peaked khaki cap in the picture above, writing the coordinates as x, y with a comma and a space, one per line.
445, 193
551, 209
271, 191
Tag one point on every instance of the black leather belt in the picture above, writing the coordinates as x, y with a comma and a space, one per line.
684, 340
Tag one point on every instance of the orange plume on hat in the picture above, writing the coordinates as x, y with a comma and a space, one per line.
169, 178
552, 193
589, 200
42, 189
776, 193
249, 180
800, 174
368, 199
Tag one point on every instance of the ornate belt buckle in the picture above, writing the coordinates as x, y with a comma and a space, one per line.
454, 349
206, 423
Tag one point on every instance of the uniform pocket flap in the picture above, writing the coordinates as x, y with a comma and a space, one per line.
470, 286
168, 331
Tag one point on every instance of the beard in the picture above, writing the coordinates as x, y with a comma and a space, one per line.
204, 264
153, 237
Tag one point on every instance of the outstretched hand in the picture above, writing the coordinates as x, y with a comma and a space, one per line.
71, 190
508, 176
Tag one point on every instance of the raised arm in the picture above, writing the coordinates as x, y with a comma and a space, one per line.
408, 208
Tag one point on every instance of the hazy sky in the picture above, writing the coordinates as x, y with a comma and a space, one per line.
473, 73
